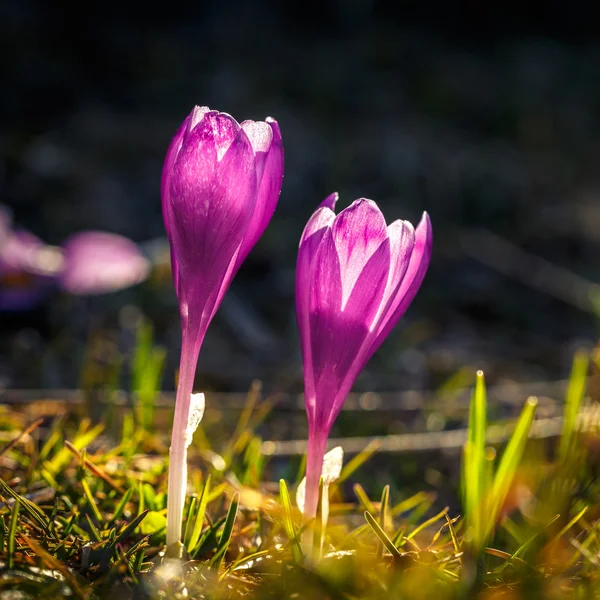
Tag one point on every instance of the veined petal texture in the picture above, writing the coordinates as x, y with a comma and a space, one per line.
355, 278
220, 185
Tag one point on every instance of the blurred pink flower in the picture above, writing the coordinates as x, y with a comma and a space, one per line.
97, 262
92, 262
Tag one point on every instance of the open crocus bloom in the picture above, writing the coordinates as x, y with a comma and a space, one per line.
355, 278
220, 184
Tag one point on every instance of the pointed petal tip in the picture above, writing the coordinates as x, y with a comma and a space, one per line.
366, 203
330, 201
196, 116
276, 130
425, 224
260, 135
365, 206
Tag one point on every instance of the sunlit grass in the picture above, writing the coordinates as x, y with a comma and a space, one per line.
84, 514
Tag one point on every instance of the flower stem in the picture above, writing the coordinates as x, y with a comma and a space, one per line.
178, 451
317, 442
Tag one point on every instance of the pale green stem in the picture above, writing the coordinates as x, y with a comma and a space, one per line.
317, 442
178, 452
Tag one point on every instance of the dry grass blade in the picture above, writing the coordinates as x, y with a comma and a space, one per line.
95, 469
28, 431
56, 565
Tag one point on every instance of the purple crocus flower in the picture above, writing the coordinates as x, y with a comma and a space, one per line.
97, 262
355, 278
23, 284
220, 184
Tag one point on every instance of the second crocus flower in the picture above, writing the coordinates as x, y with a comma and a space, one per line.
355, 278
220, 184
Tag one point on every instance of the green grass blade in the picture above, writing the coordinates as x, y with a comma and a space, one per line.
127, 531
412, 502
225, 538
191, 513
2, 535
29, 507
288, 522
68, 525
253, 462
358, 460
384, 514
426, 524
574, 398
521, 549
570, 524
363, 498
241, 428
510, 461
12, 533
384, 510
199, 521
91, 502
381, 534
474, 474
450, 523
120, 508
147, 369
95, 534
83, 438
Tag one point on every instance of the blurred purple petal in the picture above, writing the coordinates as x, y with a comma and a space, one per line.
26, 268
97, 262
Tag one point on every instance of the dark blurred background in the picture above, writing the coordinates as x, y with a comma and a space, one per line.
487, 115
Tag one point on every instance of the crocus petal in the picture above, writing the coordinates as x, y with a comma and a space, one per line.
355, 278
357, 233
172, 152
341, 329
269, 179
313, 233
354, 329
322, 217
260, 135
214, 209
324, 305
97, 262
402, 240
224, 129
211, 200
28, 267
415, 273
19, 251
196, 116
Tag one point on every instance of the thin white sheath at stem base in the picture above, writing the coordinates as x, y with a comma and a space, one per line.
332, 468
177, 486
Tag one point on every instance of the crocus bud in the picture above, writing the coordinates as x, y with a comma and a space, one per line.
220, 184
355, 278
